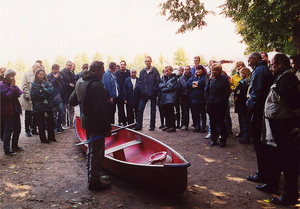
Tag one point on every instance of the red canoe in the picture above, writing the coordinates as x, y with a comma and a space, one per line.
142, 159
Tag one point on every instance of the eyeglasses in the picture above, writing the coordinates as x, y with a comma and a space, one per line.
147, 61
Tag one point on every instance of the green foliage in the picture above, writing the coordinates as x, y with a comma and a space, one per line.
79, 60
20, 66
109, 59
138, 63
190, 13
180, 57
10, 64
98, 56
61, 61
266, 24
202, 60
47, 66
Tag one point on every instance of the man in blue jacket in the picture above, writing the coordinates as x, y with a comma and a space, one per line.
148, 85
260, 83
110, 82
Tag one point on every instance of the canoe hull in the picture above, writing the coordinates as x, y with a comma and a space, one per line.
132, 163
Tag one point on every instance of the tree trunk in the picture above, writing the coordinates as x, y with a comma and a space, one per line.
296, 34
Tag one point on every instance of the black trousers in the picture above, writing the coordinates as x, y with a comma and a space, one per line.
168, 110
131, 113
42, 118
185, 108
217, 117
121, 111
112, 111
287, 153
30, 121
262, 150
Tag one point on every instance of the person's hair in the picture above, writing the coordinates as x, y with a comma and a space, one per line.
118, 66
68, 62
296, 59
241, 63
217, 66
200, 67
39, 61
123, 61
181, 68
149, 58
247, 71
2, 68
257, 55
264, 54
283, 58
54, 66
197, 57
133, 69
37, 72
112, 65
188, 67
85, 66
9, 71
96, 65
169, 67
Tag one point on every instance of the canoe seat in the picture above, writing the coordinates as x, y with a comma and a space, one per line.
118, 151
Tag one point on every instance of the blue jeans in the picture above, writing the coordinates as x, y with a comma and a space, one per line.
12, 125
58, 114
141, 109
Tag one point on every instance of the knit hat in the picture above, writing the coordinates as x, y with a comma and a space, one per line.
9, 71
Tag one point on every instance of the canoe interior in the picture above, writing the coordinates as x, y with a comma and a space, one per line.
137, 154
128, 155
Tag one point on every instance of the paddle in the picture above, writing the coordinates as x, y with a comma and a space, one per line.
101, 136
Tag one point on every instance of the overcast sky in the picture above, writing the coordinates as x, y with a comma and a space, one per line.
35, 29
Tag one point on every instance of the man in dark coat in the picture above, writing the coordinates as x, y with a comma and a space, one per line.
121, 75
92, 96
260, 82
57, 97
130, 96
69, 84
148, 85
184, 97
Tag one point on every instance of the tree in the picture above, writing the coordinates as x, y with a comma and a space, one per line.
20, 66
98, 56
138, 63
180, 57
10, 64
202, 60
264, 24
109, 59
61, 61
79, 60
190, 13
47, 66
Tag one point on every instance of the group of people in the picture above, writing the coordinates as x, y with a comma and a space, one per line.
45, 100
267, 101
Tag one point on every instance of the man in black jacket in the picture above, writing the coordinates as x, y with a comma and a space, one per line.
92, 96
69, 84
121, 75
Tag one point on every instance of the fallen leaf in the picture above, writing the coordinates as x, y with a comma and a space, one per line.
206, 147
267, 200
16, 172
228, 174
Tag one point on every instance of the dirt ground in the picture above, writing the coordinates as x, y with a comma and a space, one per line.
54, 175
